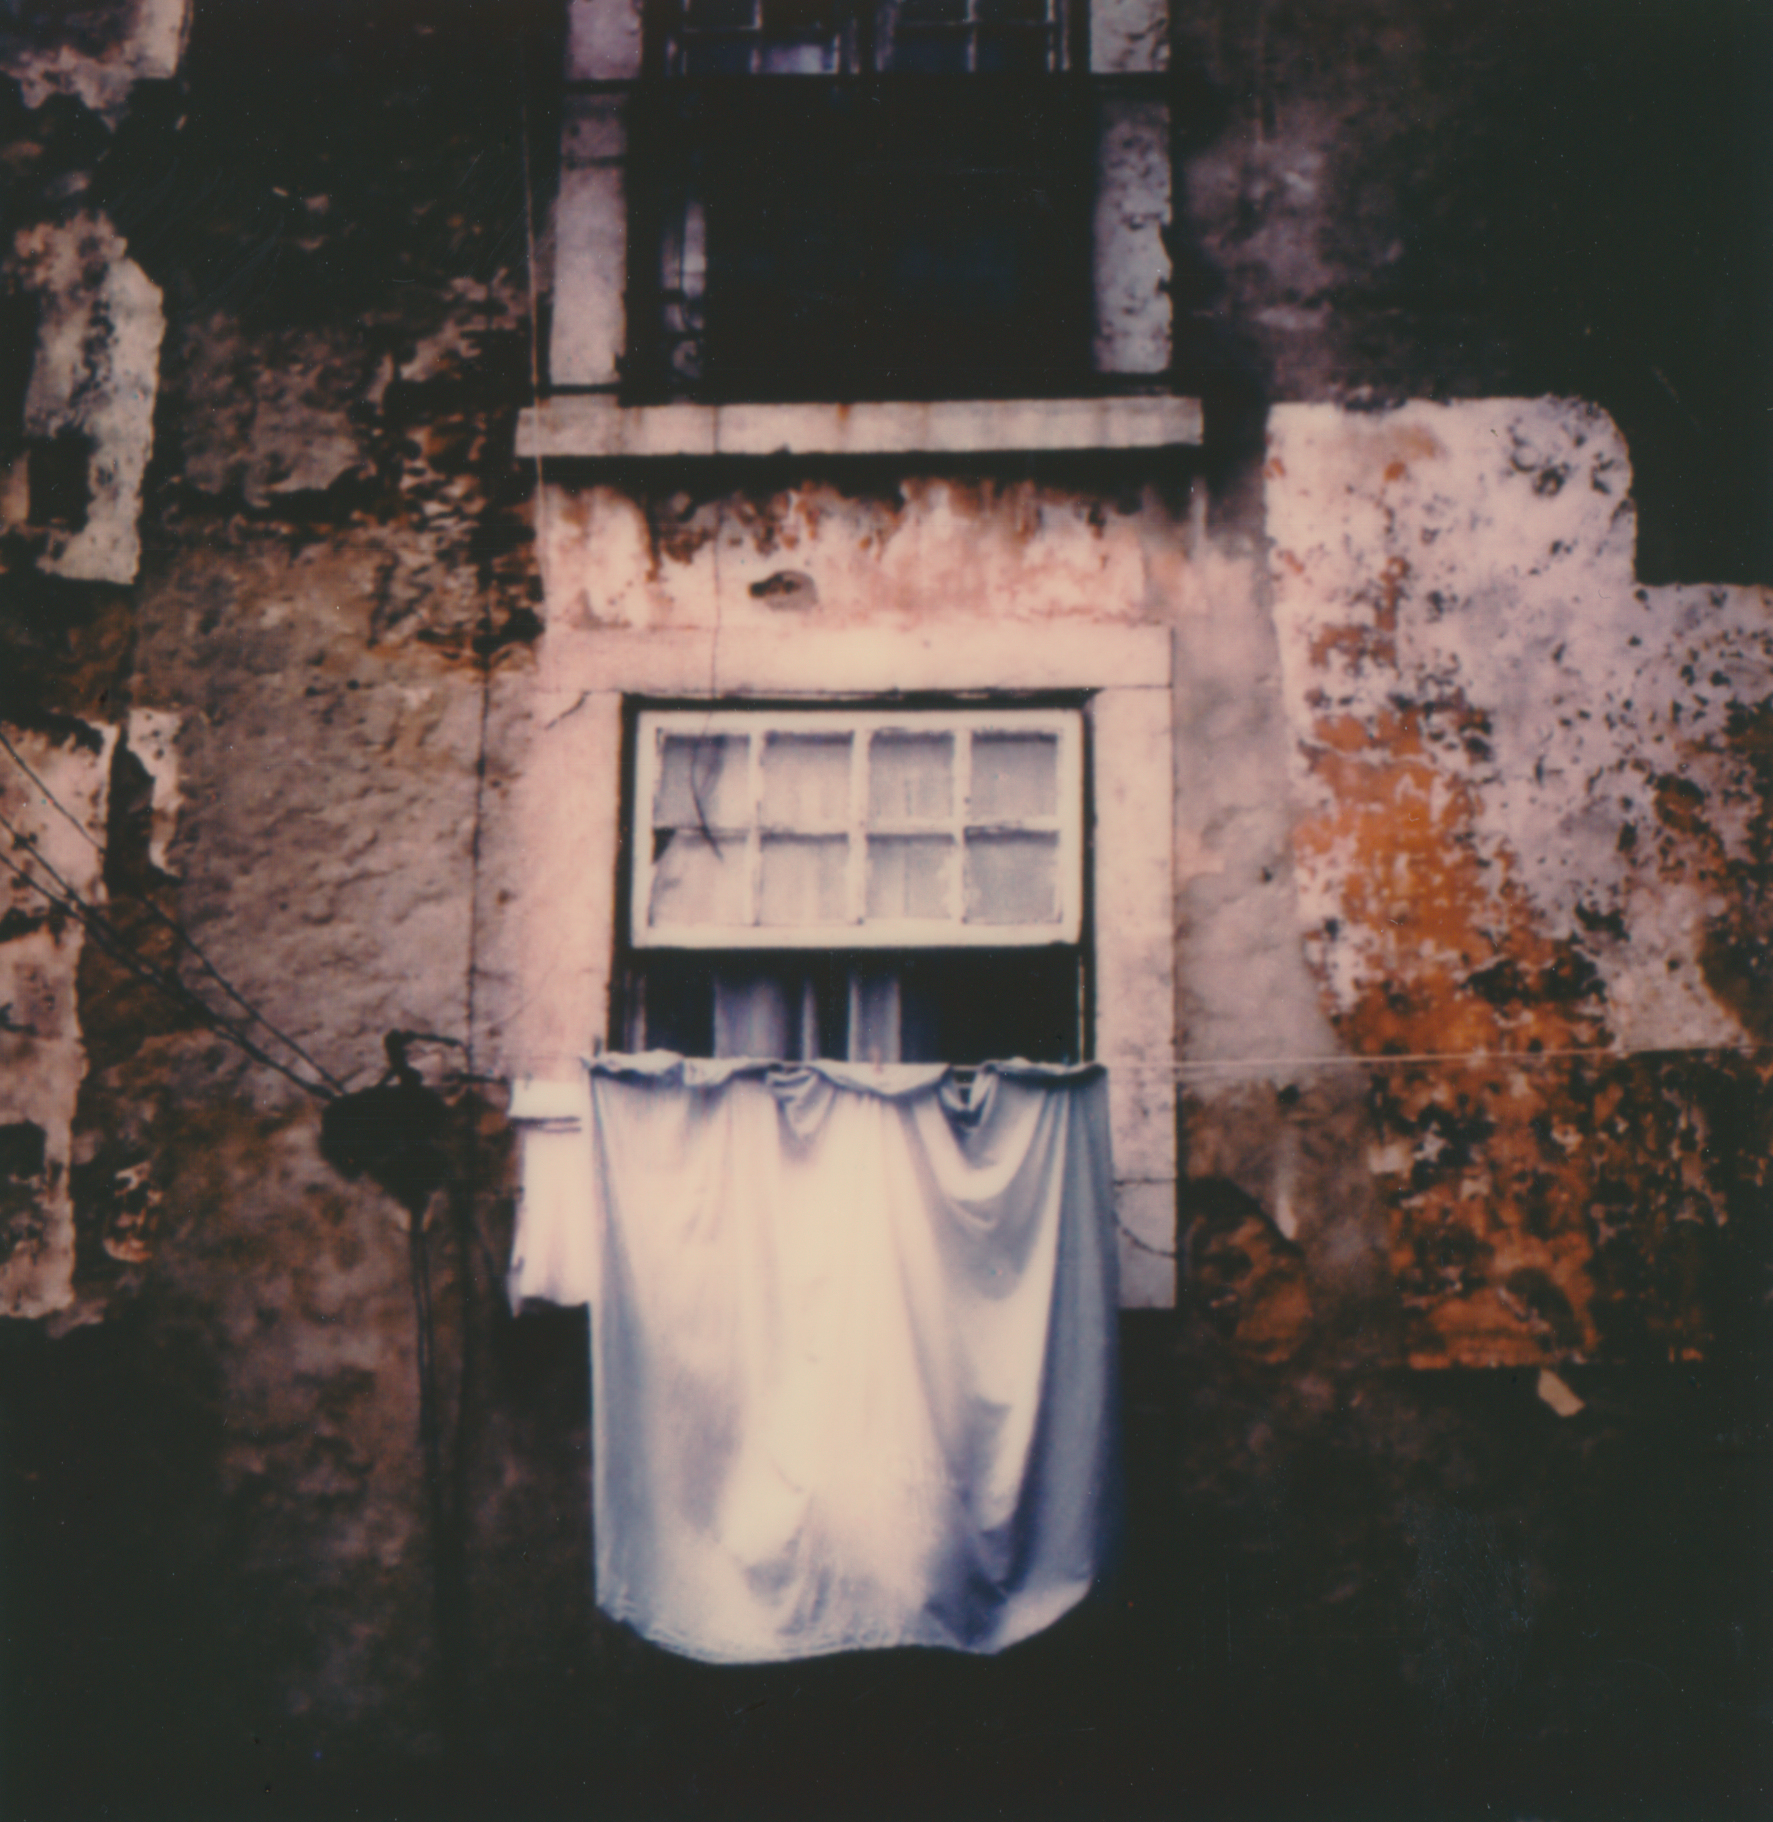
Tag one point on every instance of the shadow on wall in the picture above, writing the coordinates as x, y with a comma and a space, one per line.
1213, 355
1440, 1592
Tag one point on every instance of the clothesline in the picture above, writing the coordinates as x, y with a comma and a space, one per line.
1386, 1060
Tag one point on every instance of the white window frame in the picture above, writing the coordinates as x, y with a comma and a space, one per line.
549, 886
858, 930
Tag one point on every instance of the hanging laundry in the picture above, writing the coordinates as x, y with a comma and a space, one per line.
852, 1344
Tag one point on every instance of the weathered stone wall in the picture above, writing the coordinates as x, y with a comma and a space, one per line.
1430, 798
263, 539
1450, 199
1534, 817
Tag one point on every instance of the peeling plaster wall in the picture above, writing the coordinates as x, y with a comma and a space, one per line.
93, 379
303, 542
1535, 812
1378, 202
96, 52
924, 550
1429, 797
42, 1057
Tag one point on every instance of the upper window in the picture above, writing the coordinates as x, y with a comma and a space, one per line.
838, 200
841, 37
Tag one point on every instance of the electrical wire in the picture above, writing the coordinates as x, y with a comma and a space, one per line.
1467, 1058
118, 948
161, 917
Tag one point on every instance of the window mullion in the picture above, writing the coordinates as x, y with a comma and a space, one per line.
1070, 807
963, 790
754, 833
646, 785
856, 875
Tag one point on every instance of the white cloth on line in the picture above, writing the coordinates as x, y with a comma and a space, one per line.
852, 1344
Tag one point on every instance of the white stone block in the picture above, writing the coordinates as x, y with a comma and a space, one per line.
598, 427
808, 661
558, 902
590, 246
1142, 1119
1131, 262
1130, 738
1129, 37
603, 40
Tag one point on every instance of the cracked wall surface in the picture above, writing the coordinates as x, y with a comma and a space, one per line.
93, 383
40, 1037
95, 53
275, 611
1533, 814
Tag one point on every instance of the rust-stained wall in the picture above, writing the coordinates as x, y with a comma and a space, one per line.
1533, 820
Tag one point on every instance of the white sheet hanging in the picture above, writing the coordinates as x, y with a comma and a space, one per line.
852, 1345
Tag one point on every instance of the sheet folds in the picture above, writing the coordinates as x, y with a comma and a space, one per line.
852, 1344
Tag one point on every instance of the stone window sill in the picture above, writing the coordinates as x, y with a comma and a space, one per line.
597, 427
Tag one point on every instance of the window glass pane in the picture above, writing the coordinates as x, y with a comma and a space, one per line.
1013, 12
806, 780
911, 777
1014, 775
1012, 879
704, 782
908, 875
697, 881
799, 19
874, 1020
800, 38
796, 59
717, 56
802, 881
753, 1016
718, 15
929, 50
1011, 50
989, 1004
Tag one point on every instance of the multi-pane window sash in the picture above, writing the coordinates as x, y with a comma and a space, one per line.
844, 37
858, 829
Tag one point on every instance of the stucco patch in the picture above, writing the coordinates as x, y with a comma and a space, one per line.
141, 42
1534, 814
42, 1058
95, 376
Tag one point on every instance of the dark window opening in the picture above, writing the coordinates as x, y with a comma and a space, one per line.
23, 1152
896, 206
60, 492
927, 1007
848, 37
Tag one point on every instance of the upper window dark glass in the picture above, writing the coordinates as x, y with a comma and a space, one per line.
834, 201
841, 37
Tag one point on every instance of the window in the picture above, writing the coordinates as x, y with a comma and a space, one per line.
561, 969
829, 37
839, 201
887, 885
